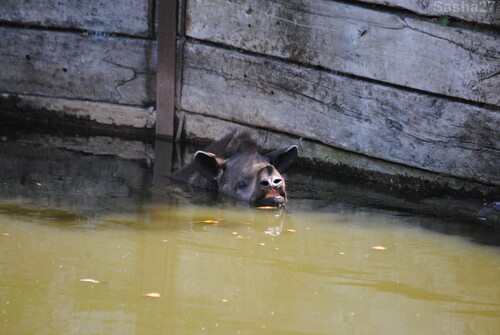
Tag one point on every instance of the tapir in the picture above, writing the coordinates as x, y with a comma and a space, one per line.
233, 166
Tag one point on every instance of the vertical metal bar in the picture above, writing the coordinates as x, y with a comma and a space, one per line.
165, 87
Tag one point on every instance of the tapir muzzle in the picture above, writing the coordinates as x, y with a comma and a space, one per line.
271, 188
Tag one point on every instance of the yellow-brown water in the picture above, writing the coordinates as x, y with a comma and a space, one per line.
202, 270
101, 242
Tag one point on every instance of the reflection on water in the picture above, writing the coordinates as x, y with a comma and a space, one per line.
84, 239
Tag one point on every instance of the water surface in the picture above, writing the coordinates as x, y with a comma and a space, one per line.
103, 244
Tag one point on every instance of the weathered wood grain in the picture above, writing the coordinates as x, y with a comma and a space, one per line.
359, 41
199, 128
95, 145
133, 17
480, 11
408, 128
67, 65
98, 185
102, 113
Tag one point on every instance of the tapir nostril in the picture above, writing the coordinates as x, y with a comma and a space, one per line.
264, 183
277, 181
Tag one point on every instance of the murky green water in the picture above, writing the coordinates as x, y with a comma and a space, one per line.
97, 245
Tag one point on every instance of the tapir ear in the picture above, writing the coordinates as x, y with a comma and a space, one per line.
208, 164
283, 158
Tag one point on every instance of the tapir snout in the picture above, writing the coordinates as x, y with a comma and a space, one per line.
271, 187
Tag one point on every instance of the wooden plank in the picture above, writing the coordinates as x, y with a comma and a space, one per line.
480, 11
95, 145
408, 128
165, 96
96, 181
102, 113
199, 128
133, 17
66, 65
359, 41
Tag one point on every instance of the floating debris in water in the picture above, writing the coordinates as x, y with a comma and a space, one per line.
379, 247
90, 280
5, 234
224, 300
206, 221
152, 295
291, 230
266, 207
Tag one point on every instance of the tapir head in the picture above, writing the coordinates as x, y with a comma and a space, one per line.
248, 175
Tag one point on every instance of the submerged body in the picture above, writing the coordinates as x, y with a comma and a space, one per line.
234, 166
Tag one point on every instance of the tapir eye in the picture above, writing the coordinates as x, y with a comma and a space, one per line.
241, 185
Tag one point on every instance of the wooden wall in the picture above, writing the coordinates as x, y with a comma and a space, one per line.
402, 91
390, 80
92, 60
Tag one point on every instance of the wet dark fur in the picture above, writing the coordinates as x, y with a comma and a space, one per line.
231, 144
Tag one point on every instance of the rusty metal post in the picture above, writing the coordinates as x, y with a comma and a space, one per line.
165, 87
